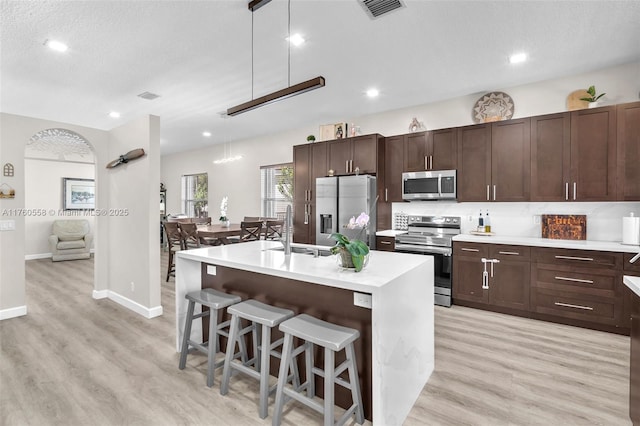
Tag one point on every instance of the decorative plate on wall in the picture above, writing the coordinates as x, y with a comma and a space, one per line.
494, 106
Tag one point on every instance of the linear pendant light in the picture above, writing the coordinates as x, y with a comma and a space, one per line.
281, 94
288, 92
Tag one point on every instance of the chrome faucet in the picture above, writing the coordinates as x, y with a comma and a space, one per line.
286, 237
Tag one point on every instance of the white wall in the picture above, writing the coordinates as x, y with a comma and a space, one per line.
116, 263
43, 193
241, 180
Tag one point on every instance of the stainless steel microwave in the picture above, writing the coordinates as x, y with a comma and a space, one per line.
429, 185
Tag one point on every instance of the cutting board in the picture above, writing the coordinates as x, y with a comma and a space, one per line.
574, 102
564, 227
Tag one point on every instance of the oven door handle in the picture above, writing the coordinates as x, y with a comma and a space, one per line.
422, 249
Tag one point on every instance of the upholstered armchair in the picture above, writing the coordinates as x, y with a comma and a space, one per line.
70, 240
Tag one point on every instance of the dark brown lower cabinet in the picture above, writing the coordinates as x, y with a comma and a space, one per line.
385, 243
634, 374
583, 288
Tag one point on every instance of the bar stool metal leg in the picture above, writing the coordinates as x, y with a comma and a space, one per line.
187, 336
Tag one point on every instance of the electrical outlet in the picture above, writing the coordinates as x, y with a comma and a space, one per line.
470, 218
7, 225
362, 299
536, 219
133, 286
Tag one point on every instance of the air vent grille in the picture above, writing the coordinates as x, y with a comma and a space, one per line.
148, 96
378, 8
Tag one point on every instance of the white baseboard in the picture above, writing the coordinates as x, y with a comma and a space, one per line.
100, 294
148, 313
37, 256
43, 255
13, 312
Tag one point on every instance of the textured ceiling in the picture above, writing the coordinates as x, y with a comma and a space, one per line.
197, 56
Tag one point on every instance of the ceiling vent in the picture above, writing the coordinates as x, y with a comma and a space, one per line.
148, 96
377, 8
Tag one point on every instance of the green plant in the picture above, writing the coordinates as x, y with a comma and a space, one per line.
311, 138
356, 248
592, 95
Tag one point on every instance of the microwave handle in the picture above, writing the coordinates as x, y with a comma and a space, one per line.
440, 186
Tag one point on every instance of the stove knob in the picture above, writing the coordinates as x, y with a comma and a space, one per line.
447, 220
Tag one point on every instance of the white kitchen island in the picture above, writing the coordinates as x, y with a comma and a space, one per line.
401, 314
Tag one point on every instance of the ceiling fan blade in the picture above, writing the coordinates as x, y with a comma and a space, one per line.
133, 154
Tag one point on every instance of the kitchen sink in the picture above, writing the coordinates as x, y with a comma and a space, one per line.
305, 250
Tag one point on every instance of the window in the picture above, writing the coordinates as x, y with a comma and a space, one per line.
276, 183
195, 195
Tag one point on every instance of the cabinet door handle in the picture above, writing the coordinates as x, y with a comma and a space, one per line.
469, 249
488, 193
577, 280
350, 166
575, 190
386, 195
515, 253
586, 259
431, 162
494, 192
569, 305
306, 214
566, 191
385, 242
426, 164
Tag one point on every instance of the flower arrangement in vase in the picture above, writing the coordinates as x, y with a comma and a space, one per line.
223, 212
353, 253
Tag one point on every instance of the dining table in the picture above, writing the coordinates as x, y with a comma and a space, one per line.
218, 234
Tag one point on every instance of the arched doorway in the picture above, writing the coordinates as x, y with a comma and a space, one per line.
55, 158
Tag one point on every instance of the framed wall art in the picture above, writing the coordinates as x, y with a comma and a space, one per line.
333, 131
78, 194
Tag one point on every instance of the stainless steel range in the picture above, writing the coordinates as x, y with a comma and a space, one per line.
432, 235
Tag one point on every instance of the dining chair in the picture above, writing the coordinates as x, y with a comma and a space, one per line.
174, 243
273, 229
190, 235
250, 230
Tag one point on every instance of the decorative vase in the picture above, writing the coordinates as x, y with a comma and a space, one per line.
593, 104
345, 260
225, 223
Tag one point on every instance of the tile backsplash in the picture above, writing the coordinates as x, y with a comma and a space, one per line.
604, 220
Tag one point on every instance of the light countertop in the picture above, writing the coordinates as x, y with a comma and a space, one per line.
389, 233
633, 283
546, 242
256, 256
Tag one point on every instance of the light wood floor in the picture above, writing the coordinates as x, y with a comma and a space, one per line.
74, 360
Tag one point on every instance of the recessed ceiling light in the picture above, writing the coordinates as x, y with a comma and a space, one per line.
518, 58
372, 93
56, 45
296, 39
114, 114
206, 134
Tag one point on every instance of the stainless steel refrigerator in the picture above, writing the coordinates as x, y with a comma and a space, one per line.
338, 199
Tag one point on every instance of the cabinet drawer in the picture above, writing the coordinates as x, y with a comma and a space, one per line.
506, 252
583, 280
385, 243
580, 258
461, 248
577, 306
631, 267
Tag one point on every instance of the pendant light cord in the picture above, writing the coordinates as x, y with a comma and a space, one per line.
289, 46
251, 55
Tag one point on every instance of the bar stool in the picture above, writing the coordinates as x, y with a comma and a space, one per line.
214, 300
333, 338
263, 318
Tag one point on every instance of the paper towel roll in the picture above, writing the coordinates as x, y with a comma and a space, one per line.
631, 230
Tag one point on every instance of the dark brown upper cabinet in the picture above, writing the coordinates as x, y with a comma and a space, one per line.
510, 160
494, 161
309, 163
593, 155
550, 157
474, 162
433, 150
394, 166
359, 152
628, 142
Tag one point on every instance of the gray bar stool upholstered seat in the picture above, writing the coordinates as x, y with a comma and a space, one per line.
333, 338
262, 319
214, 300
